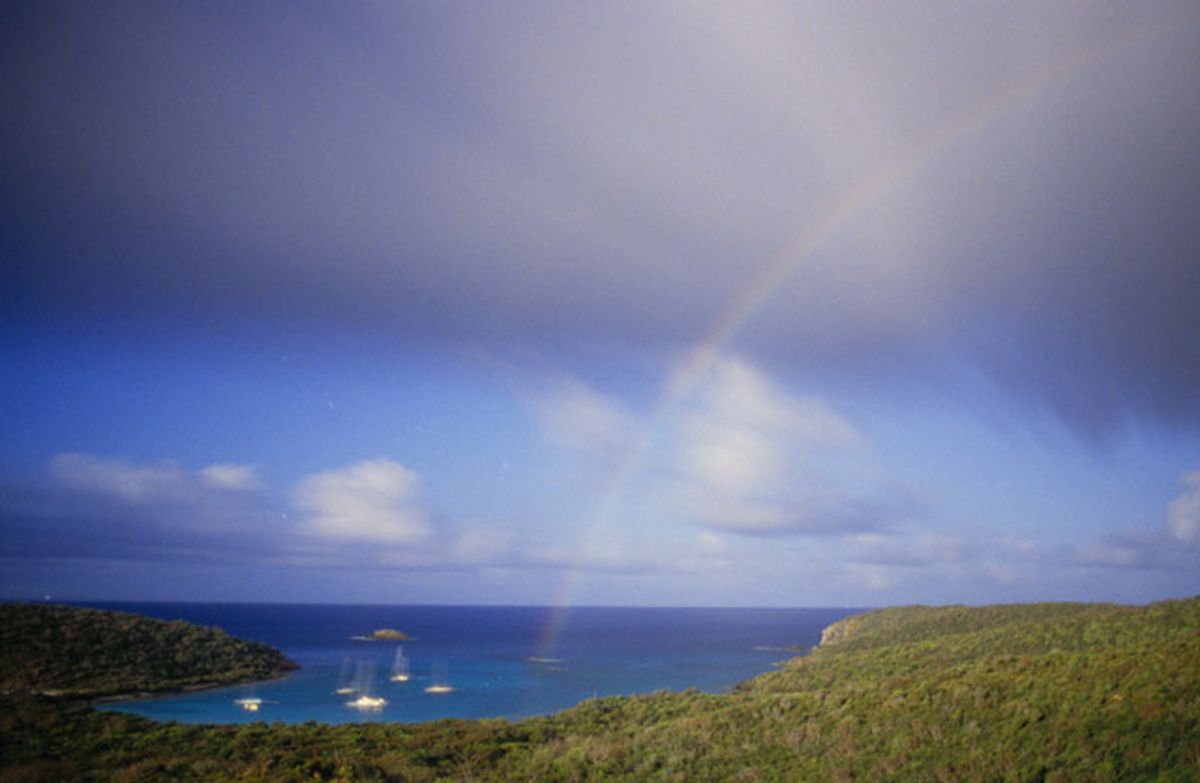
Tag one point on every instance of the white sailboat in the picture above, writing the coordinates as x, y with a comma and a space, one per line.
366, 702
400, 669
250, 701
441, 683
364, 683
344, 685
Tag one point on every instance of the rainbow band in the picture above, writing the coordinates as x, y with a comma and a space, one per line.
701, 358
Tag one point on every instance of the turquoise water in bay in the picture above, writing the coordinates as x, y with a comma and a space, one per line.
510, 662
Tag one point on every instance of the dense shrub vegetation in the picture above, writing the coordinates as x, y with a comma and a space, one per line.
1050, 692
85, 653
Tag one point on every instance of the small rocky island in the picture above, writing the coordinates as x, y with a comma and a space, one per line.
384, 635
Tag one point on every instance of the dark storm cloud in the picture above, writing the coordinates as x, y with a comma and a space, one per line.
559, 175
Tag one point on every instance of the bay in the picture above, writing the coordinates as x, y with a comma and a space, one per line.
498, 661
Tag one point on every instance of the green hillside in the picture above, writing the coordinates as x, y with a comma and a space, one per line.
71, 652
1043, 692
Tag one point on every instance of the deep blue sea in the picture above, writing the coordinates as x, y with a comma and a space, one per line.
510, 662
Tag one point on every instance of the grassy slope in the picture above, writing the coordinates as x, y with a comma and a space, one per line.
1037, 692
1042, 692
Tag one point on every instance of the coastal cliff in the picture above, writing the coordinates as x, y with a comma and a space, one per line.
842, 629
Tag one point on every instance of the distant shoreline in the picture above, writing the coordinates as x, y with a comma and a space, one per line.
166, 694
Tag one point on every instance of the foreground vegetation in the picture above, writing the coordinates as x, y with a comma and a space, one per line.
1048, 692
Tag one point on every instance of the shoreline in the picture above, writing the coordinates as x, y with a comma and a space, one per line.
144, 701
97, 701
797, 652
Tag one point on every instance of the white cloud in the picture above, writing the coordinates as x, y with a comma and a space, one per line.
732, 436
920, 550
374, 501
110, 507
743, 396
1007, 572
750, 458
121, 479
871, 576
231, 477
148, 484
1183, 515
612, 558
1157, 550
587, 423
1111, 553
735, 453
482, 544
1013, 559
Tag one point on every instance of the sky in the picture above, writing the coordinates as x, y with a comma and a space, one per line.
621, 303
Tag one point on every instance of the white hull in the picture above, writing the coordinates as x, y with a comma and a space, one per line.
367, 703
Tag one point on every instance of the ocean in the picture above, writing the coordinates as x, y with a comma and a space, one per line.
510, 662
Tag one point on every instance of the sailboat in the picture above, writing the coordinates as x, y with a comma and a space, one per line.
366, 702
251, 702
400, 671
440, 680
364, 683
344, 686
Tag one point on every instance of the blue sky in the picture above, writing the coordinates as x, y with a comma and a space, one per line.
621, 303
